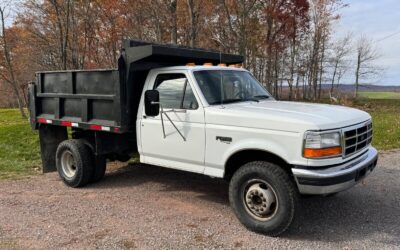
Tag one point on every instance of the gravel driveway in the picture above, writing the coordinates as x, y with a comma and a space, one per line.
151, 208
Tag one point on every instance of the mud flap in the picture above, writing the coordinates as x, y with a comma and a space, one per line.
50, 137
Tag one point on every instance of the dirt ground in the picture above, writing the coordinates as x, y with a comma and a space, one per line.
142, 207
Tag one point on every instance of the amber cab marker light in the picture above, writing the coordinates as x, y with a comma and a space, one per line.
222, 65
190, 64
208, 64
322, 152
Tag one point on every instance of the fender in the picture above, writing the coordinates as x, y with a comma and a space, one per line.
256, 144
218, 170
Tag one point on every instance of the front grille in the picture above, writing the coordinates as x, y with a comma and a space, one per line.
357, 139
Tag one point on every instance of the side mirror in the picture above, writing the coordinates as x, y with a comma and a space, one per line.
152, 102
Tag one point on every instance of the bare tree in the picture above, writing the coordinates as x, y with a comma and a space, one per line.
367, 54
193, 9
9, 74
174, 23
320, 24
62, 12
339, 52
323, 14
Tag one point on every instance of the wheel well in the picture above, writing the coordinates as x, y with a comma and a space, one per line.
240, 158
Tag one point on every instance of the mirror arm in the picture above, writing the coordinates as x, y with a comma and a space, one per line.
162, 120
161, 116
173, 124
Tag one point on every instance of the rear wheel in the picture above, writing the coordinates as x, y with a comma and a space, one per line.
263, 197
74, 163
99, 162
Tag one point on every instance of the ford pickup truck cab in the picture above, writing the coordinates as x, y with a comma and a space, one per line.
322, 148
213, 120
202, 137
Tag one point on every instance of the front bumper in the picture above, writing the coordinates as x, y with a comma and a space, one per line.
327, 180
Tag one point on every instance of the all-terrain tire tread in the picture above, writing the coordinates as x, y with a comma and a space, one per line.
82, 157
277, 172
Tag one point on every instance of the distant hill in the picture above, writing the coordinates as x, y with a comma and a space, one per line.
369, 88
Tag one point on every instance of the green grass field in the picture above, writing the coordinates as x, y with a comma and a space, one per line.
380, 95
19, 145
386, 121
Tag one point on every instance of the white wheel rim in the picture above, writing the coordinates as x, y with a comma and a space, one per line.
260, 200
68, 165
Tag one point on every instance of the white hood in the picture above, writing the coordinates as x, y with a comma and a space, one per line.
285, 116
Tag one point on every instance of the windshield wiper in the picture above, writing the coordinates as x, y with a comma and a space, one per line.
251, 99
227, 101
261, 96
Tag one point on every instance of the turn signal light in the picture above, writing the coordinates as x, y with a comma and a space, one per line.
322, 152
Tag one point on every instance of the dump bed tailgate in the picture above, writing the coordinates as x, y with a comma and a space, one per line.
85, 99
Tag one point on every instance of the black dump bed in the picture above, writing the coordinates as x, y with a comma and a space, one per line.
108, 99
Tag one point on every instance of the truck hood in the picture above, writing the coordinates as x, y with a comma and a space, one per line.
285, 116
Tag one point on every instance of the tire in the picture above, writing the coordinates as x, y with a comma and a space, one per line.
74, 163
263, 197
99, 168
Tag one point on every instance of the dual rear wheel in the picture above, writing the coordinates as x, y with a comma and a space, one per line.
77, 164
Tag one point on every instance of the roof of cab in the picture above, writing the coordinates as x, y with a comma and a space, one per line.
200, 67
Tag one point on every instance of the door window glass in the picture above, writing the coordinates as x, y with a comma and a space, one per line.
175, 92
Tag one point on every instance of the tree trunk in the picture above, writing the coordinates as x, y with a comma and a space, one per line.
357, 75
174, 25
7, 55
19, 101
296, 92
193, 22
63, 31
333, 79
321, 67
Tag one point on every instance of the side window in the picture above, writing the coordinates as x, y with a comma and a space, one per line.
189, 100
175, 91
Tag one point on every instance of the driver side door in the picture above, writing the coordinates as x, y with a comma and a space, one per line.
181, 144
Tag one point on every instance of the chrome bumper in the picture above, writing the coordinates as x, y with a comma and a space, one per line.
336, 178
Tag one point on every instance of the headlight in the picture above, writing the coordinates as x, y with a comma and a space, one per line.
322, 144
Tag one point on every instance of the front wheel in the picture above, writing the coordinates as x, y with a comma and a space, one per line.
263, 197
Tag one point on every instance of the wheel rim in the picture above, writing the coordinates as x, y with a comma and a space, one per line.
260, 200
68, 165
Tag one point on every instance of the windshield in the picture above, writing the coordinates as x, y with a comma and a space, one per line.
228, 86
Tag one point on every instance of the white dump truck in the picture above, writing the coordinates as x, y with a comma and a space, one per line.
195, 110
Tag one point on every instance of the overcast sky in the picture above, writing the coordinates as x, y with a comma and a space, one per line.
379, 20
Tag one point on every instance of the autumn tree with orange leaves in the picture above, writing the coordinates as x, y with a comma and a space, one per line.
284, 42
